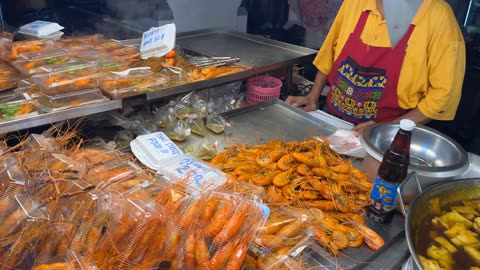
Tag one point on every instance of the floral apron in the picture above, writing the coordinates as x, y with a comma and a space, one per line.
364, 79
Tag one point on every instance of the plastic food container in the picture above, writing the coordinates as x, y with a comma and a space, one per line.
11, 96
139, 81
80, 43
262, 88
30, 62
88, 39
76, 77
8, 76
112, 65
28, 88
17, 109
108, 45
19, 47
88, 54
126, 54
70, 100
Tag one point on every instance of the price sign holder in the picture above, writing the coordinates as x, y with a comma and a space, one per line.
158, 41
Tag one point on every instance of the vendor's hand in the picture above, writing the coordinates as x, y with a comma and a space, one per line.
360, 127
305, 103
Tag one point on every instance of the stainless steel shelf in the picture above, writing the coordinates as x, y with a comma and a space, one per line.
262, 54
49, 118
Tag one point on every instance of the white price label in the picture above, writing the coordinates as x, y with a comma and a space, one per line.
155, 147
158, 41
201, 174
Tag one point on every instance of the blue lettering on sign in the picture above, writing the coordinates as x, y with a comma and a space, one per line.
36, 25
152, 36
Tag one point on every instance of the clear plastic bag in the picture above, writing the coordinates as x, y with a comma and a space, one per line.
346, 142
182, 110
195, 122
216, 123
165, 117
200, 107
206, 149
178, 131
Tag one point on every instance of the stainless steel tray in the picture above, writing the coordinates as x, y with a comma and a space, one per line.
263, 122
52, 117
275, 119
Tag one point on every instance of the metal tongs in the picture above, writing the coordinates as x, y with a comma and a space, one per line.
202, 61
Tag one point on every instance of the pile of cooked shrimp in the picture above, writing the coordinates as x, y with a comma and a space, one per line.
311, 180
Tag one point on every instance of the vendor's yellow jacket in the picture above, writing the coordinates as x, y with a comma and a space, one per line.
434, 66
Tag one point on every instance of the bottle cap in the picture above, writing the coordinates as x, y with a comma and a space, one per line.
407, 124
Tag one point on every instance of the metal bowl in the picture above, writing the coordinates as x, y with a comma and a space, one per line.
433, 155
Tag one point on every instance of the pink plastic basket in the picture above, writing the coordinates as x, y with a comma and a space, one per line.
263, 88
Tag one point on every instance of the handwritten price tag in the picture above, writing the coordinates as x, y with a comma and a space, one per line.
157, 146
158, 41
200, 174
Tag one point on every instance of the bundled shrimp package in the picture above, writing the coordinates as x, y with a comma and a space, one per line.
124, 229
226, 226
284, 228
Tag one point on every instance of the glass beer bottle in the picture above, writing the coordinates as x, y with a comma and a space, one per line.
392, 171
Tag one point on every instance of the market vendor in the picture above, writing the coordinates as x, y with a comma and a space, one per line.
390, 59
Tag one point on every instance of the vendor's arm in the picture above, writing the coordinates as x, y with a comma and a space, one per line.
309, 102
324, 62
415, 115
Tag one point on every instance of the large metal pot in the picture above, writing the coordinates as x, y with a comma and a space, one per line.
448, 192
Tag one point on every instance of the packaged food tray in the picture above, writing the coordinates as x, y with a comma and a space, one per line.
70, 100
140, 81
74, 78
31, 62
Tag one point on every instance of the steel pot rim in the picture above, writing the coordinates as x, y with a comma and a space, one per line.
443, 171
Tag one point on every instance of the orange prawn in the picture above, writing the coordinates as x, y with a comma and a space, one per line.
221, 216
190, 243
239, 254
320, 236
303, 158
219, 159
201, 249
303, 169
222, 255
371, 238
272, 157
324, 205
286, 162
186, 219
322, 187
208, 210
264, 179
282, 179
232, 226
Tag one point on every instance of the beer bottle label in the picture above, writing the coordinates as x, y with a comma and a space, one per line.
384, 195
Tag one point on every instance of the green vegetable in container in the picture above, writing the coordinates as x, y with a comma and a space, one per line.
8, 110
